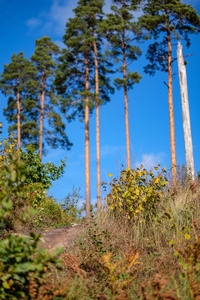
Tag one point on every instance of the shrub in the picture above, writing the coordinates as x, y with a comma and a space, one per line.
36, 171
136, 193
23, 267
70, 204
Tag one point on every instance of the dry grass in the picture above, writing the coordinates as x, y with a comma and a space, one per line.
158, 273
120, 260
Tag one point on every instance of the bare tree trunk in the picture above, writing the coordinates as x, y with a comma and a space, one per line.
171, 111
87, 145
126, 106
18, 118
42, 117
185, 115
97, 128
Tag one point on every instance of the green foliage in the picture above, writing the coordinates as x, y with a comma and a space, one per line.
187, 249
121, 30
44, 60
137, 193
98, 237
99, 240
70, 205
18, 83
21, 263
170, 20
12, 180
36, 171
7, 147
71, 77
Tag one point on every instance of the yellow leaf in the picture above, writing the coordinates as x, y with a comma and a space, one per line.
187, 236
110, 175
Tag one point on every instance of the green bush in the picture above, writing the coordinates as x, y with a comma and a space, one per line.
36, 171
21, 263
70, 204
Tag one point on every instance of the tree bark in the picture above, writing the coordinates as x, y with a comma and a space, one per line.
18, 117
42, 116
171, 110
87, 149
97, 128
185, 115
126, 105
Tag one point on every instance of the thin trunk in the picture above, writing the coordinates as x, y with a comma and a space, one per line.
97, 128
171, 110
185, 115
126, 105
87, 148
42, 117
18, 117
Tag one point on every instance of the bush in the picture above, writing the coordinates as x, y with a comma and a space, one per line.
23, 267
136, 193
70, 205
36, 171
21, 264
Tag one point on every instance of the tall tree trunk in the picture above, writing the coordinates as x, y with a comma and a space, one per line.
171, 110
18, 117
87, 144
97, 128
126, 105
42, 116
189, 158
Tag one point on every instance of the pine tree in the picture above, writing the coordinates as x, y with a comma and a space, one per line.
44, 61
102, 85
17, 82
168, 20
76, 79
121, 31
73, 79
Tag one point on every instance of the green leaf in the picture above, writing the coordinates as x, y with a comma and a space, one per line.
6, 285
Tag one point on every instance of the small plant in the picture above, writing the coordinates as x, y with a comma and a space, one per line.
187, 249
70, 204
121, 271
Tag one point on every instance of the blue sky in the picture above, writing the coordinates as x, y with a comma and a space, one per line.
22, 22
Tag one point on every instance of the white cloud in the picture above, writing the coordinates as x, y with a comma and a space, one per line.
53, 20
149, 161
33, 23
111, 150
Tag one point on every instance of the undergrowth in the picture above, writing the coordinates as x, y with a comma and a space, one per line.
145, 244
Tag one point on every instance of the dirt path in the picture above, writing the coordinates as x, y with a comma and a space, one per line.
52, 238
60, 237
